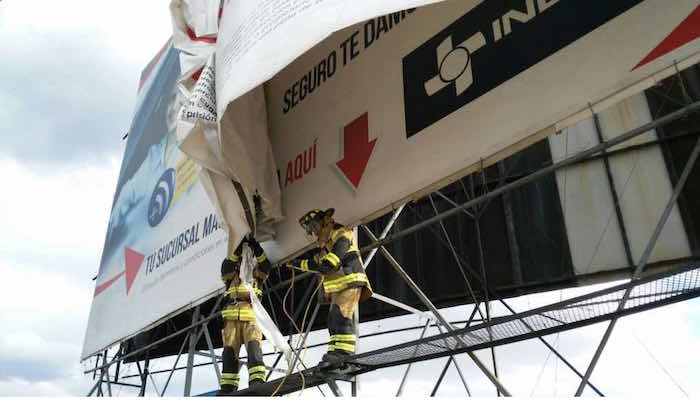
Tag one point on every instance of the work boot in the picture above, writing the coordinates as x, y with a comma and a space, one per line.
332, 360
330, 356
255, 382
226, 389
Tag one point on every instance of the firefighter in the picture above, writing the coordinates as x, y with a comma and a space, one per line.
345, 284
240, 327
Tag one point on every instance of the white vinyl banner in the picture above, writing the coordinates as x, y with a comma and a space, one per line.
259, 38
388, 107
361, 120
164, 243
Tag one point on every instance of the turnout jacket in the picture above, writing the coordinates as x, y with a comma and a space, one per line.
339, 262
236, 298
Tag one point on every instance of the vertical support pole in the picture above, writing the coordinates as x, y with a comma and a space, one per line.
119, 354
643, 261
214, 359
355, 384
142, 376
102, 373
109, 381
426, 301
190, 353
146, 372
97, 363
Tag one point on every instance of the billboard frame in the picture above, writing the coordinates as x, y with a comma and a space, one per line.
199, 326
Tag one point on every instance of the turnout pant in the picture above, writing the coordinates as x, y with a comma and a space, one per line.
341, 325
235, 334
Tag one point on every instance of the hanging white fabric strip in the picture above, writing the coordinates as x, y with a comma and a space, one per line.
265, 322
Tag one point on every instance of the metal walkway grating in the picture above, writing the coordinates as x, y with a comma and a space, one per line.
647, 293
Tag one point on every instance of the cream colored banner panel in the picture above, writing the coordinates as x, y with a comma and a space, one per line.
387, 107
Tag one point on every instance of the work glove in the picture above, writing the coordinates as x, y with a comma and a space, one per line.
310, 254
255, 246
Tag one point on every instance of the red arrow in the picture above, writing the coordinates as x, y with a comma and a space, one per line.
357, 149
106, 284
133, 262
687, 30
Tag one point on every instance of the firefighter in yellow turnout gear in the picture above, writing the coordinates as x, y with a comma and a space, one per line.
345, 284
240, 327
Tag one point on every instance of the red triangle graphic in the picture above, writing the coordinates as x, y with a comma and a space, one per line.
686, 31
133, 261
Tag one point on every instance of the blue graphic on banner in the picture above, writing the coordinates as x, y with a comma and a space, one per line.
147, 181
161, 197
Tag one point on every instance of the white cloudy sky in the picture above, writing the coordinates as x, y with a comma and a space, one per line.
69, 76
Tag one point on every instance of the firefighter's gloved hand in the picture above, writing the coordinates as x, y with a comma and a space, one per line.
255, 246
260, 275
311, 253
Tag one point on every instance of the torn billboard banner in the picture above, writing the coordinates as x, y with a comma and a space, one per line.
164, 245
363, 122
357, 121
240, 174
257, 39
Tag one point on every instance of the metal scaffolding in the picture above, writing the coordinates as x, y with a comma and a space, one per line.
481, 329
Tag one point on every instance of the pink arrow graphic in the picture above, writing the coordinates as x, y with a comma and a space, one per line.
133, 262
686, 31
357, 149
106, 284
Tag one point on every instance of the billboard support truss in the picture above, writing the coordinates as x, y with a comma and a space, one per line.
488, 332
643, 261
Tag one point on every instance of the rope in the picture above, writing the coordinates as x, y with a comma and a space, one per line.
299, 330
290, 368
303, 323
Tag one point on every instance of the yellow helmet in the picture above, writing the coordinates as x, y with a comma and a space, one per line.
311, 221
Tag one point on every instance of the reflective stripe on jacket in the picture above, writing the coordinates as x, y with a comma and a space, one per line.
340, 264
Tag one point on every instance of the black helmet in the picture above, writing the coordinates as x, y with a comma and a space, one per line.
312, 219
